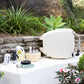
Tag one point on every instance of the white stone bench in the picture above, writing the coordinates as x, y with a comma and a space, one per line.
42, 73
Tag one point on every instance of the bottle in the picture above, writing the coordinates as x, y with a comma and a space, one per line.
30, 49
7, 57
20, 52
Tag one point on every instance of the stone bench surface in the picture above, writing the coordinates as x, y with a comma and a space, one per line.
43, 70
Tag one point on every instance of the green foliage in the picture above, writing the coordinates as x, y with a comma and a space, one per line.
73, 24
78, 12
19, 21
78, 9
3, 22
76, 24
53, 23
81, 25
75, 14
81, 63
35, 25
1, 74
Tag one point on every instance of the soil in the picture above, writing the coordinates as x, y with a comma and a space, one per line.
5, 35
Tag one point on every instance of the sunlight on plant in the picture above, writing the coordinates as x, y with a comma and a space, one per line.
81, 63
19, 21
53, 23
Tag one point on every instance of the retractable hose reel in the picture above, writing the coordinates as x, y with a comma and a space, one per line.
60, 43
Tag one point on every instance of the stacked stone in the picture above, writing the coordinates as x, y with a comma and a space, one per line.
82, 38
25, 42
82, 42
76, 42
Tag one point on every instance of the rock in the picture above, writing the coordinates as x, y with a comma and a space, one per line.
32, 43
30, 38
3, 51
1, 40
40, 43
21, 44
11, 45
13, 40
36, 38
1, 58
0, 51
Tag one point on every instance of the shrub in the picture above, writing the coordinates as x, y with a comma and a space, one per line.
35, 26
81, 63
76, 24
82, 25
71, 75
3, 22
53, 23
19, 21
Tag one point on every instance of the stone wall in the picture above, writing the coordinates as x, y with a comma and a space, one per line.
76, 42
25, 42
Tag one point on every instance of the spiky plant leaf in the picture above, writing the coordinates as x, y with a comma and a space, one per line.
53, 23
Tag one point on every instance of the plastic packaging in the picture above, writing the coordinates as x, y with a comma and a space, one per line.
7, 58
20, 52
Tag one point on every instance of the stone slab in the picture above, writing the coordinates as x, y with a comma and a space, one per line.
12, 40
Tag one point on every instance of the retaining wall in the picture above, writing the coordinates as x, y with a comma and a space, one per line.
25, 42
34, 41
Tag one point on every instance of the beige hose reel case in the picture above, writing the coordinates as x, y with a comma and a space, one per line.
58, 43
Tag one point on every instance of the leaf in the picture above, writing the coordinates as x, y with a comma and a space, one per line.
53, 23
